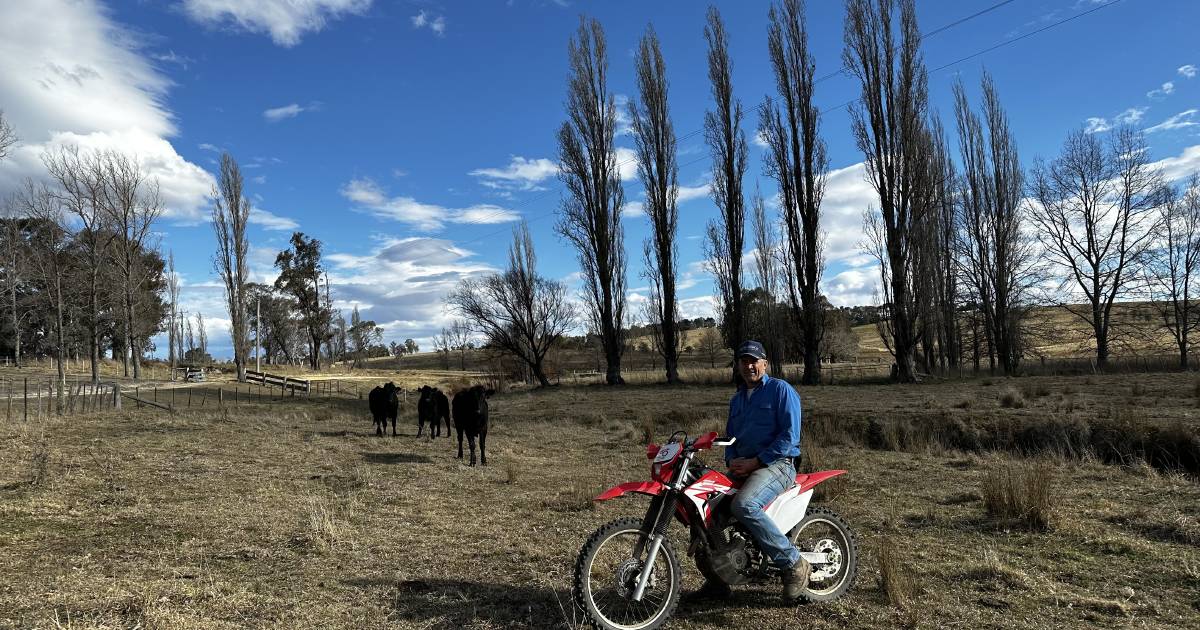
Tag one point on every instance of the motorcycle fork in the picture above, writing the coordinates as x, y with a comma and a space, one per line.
666, 510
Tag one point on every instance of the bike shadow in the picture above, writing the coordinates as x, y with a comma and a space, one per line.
456, 603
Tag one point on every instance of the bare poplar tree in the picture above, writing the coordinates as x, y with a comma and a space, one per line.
1174, 265
231, 214
50, 259
796, 159
889, 125
201, 335
1096, 216
81, 181
173, 331
727, 144
654, 136
591, 211
934, 286
518, 310
8, 137
994, 251
767, 263
133, 204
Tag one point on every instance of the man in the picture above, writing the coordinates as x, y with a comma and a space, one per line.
764, 416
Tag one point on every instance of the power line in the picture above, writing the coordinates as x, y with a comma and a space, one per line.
935, 31
502, 211
847, 103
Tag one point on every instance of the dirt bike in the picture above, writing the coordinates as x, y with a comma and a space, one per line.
627, 575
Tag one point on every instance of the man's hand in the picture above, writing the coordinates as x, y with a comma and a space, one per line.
743, 466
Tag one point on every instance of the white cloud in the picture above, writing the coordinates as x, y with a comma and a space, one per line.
70, 75
286, 21
292, 110
1166, 90
852, 287
688, 193
370, 197
760, 140
1182, 165
627, 163
1131, 116
633, 209
847, 196
270, 221
1182, 120
520, 174
426, 19
1188, 71
624, 122
209, 147
1097, 125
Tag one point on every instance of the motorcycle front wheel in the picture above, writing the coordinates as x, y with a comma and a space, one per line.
606, 575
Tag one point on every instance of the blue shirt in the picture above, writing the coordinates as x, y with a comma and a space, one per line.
765, 421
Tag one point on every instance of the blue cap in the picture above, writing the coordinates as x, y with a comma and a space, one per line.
752, 348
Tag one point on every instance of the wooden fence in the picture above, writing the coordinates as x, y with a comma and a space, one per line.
284, 383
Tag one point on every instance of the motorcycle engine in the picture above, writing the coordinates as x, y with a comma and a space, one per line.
738, 561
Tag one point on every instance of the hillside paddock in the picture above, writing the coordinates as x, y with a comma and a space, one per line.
294, 515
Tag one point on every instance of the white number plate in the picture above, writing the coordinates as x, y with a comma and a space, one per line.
667, 452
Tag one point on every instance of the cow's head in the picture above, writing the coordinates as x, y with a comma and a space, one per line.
426, 392
478, 395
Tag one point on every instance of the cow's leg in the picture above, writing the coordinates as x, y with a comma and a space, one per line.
471, 441
420, 424
482, 447
393, 426
460, 437
378, 431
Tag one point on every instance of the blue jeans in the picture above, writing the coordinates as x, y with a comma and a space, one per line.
760, 488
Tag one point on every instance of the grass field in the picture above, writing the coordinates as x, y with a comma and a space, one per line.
295, 515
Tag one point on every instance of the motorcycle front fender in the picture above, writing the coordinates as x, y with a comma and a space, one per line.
650, 488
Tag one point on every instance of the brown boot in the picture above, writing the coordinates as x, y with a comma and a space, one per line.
795, 580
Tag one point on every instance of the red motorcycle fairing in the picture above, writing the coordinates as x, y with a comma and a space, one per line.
651, 488
713, 483
807, 481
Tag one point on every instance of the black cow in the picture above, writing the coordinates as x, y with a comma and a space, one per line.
384, 406
471, 417
432, 407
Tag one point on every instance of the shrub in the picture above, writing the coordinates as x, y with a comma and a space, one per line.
1011, 399
1020, 493
895, 580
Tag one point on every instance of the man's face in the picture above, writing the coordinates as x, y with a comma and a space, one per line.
752, 369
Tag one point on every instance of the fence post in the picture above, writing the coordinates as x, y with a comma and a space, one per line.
283, 388
220, 397
26, 397
116, 396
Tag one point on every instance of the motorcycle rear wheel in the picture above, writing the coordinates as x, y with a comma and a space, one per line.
823, 531
606, 573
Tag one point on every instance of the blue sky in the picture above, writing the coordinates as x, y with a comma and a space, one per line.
408, 136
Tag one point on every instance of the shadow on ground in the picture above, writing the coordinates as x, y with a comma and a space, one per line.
450, 603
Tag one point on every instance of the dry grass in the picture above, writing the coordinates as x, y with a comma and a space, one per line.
1020, 493
295, 515
1010, 398
897, 580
